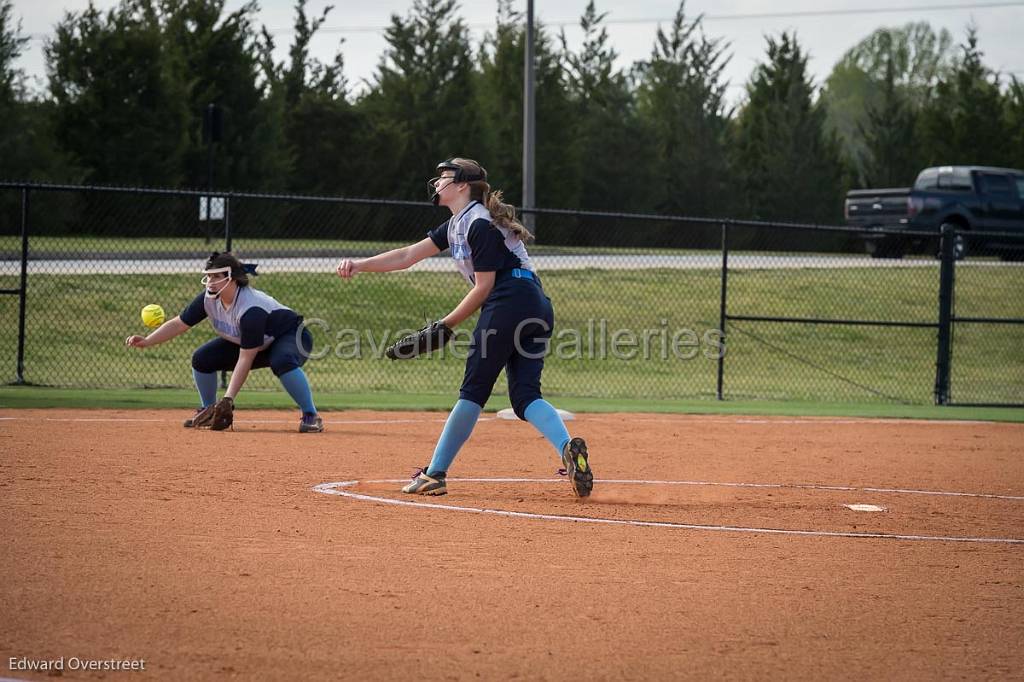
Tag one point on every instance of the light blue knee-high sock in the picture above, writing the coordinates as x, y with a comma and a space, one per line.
456, 431
545, 419
206, 384
297, 385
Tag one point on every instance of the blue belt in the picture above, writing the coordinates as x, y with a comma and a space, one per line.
520, 273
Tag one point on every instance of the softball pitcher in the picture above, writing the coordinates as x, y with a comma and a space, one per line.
514, 327
253, 331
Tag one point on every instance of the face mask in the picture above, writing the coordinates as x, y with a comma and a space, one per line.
434, 190
215, 288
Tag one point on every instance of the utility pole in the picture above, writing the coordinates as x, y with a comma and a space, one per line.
529, 123
213, 130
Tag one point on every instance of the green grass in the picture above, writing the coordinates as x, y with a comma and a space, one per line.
20, 397
76, 326
88, 246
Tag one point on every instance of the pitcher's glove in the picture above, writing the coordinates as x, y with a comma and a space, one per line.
223, 414
432, 337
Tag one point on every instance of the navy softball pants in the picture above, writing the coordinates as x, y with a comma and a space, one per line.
512, 333
282, 356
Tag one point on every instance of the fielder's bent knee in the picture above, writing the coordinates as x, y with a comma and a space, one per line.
521, 402
200, 364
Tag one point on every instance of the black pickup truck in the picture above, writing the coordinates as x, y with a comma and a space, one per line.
973, 198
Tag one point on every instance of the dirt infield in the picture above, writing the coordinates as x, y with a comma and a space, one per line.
211, 556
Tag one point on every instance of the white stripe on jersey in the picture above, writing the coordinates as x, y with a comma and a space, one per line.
458, 240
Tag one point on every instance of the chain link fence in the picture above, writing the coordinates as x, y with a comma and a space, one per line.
986, 345
640, 301
810, 315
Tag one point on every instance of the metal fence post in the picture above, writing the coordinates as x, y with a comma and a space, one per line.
23, 289
721, 309
946, 284
227, 223
227, 247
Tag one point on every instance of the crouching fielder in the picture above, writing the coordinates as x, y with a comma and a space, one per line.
514, 327
253, 330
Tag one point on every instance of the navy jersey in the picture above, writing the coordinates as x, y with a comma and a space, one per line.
478, 245
253, 320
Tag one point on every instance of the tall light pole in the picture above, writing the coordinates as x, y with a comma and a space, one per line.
529, 122
213, 130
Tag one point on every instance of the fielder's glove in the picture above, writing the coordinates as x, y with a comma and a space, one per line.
432, 337
223, 414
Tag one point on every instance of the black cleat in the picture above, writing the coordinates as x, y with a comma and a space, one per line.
577, 467
202, 418
311, 423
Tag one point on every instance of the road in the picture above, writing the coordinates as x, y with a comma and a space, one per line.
710, 261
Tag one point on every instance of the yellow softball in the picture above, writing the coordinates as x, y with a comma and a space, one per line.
152, 316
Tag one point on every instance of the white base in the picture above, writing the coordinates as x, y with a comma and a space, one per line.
865, 507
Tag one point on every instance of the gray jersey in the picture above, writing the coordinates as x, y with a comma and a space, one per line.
227, 323
477, 244
268, 316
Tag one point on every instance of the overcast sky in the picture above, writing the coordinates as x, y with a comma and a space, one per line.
824, 36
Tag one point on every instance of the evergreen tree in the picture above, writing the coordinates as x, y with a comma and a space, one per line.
12, 43
28, 151
302, 70
681, 99
220, 56
787, 166
553, 109
419, 108
12, 140
612, 152
499, 101
1014, 122
892, 150
130, 88
500, 106
963, 121
16, 158
120, 98
323, 129
325, 135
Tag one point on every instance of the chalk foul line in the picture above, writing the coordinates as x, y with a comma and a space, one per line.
340, 488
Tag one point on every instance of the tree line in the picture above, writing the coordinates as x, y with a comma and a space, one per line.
126, 89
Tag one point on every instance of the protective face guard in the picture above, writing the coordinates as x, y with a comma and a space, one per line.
433, 191
226, 271
460, 175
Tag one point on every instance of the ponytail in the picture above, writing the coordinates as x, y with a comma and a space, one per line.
504, 215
